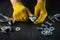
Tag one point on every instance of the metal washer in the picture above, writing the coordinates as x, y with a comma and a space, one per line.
17, 29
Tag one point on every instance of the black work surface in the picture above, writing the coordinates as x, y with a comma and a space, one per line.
28, 30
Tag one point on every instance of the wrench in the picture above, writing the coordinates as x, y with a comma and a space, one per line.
9, 20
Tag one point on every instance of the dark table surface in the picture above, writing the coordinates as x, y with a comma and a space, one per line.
29, 32
28, 29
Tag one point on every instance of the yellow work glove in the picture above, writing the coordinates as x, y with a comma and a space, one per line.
40, 12
20, 12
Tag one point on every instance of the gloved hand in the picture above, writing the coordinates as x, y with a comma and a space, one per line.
20, 13
40, 12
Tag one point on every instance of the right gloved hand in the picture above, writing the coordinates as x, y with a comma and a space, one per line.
40, 12
20, 13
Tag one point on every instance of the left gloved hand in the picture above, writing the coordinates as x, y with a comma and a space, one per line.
40, 12
20, 13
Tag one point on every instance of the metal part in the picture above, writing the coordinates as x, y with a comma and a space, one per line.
47, 32
51, 28
33, 18
54, 17
47, 28
43, 25
5, 17
50, 24
17, 29
5, 29
9, 20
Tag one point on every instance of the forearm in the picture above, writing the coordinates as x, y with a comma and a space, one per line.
14, 1
41, 0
